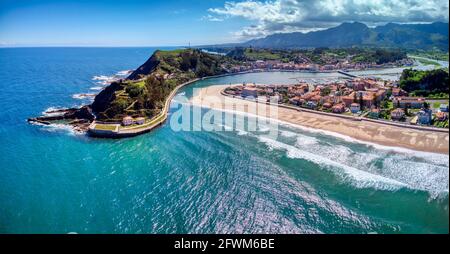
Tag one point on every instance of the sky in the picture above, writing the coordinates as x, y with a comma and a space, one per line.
198, 22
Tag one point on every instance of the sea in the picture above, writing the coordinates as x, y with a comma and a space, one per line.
54, 180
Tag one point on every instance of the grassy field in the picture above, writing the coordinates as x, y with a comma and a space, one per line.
105, 127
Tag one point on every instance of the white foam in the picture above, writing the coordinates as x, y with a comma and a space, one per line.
242, 132
361, 179
288, 134
96, 88
82, 96
422, 176
263, 128
48, 111
124, 73
105, 80
303, 140
61, 127
102, 78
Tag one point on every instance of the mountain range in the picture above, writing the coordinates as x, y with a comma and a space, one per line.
408, 36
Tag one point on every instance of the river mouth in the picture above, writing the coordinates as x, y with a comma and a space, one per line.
377, 173
196, 181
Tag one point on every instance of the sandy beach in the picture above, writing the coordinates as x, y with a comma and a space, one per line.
421, 140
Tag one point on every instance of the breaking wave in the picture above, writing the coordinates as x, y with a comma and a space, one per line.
363, 164
82, 96
96, 88
106, 80
49, 111
361, 179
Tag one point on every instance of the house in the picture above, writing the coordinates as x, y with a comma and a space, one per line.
308, 96
295, 101
380, 94
311, 104
317, 99
374, 113
369, 99
139, 120
424, 116
128, 120
358, 85
355, 108
338, 108
441, 116
409, 102
348, 99
443, 107
398, 92
397, 114
327, 105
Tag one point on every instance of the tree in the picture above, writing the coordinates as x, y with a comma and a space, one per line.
361, 101
374, 98
325, 91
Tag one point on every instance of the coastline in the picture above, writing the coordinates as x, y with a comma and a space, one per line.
364, 131
120, 132
137, 130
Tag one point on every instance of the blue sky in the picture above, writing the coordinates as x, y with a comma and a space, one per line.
178, 22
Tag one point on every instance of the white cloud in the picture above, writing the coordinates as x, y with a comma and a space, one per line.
210, 17
273, 16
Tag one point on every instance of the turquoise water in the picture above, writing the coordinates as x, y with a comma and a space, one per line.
55, 181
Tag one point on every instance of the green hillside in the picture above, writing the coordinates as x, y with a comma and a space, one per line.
143, 93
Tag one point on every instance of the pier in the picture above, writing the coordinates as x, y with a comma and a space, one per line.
347, 74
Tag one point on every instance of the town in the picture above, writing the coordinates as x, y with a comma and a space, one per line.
317, 60
278, 65
360, 97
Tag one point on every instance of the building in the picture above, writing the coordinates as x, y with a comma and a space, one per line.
327, 105
381, 94
295, 101
139, 120
398, 92
355, 108
374, 113
311, 104
397, 114
368, 98
441, 116
338, 108
317, 99
443, 107
128, 120
348, 99
409, 102
424, 117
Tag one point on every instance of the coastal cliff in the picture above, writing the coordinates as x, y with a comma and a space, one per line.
143, 93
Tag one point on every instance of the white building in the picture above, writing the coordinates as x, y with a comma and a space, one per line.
128, 120
140, 120
355, 108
